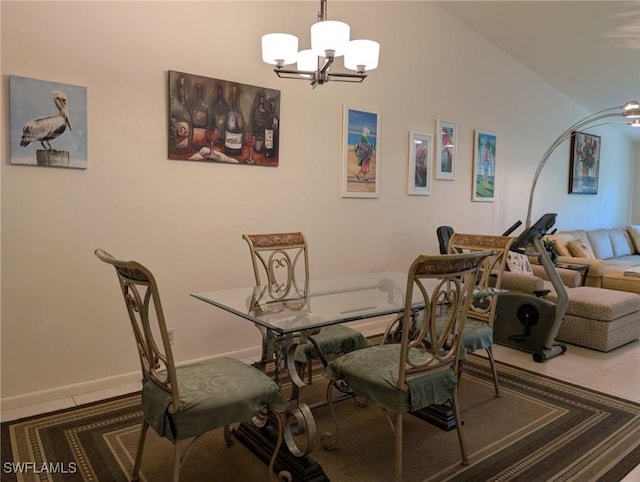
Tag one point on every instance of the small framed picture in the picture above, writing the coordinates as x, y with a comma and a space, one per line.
584, 163
360, 159
484, 166
420, 155
446, 140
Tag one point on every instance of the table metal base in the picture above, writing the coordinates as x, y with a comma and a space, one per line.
439, 415
262, 442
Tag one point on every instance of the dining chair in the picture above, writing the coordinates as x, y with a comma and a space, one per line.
281, 262
183, 402
421, 369
444, 233
478, 328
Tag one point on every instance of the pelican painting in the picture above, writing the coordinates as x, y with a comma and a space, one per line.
40, 136
44, 129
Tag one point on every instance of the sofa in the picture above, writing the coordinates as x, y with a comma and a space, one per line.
613, 255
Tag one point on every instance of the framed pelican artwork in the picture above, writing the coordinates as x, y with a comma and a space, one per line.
48, 123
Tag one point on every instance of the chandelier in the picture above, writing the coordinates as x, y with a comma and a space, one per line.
329, 39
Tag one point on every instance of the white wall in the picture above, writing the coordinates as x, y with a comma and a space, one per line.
63, 322
635, 204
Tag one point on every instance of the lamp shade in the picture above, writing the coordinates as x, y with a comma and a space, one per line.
330, 35
362, 52
279, 47
307, 60
631, 113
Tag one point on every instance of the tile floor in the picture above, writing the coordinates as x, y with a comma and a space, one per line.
616, 372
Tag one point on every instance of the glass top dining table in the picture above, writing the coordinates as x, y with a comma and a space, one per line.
316, 303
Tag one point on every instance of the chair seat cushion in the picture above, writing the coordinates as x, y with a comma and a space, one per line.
477, 335
332, 340
373, 373
213, 393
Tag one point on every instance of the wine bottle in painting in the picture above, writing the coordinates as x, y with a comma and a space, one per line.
233, 127
271, 133
219, 109
259, 122
199, 118
181, 121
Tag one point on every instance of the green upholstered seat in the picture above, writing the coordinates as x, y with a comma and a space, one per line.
477, 335
332, 340
373, 374
213, 393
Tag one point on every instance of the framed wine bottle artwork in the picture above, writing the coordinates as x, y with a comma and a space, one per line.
360, 156
214, 120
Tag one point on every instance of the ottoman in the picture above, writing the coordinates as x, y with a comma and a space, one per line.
600, 318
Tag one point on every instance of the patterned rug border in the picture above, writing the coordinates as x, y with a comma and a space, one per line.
608, 458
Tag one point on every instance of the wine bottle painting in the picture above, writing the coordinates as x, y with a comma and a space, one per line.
213, 120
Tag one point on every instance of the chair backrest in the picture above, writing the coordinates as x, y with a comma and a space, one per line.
281, 262
491, 270
444, 233
445, 285
142, 299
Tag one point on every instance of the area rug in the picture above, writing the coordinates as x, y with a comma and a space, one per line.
541, 429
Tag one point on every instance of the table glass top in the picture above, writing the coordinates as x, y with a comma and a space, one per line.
318, 303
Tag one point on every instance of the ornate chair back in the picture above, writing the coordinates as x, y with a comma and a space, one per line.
490, 271
280, 262
445, 285
142, 299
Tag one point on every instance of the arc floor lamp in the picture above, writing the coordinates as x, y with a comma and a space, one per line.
630, 111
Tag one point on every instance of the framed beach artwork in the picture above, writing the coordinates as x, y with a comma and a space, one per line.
584, 163
484, 166
446, 139
360, 159
48, 122
420, 155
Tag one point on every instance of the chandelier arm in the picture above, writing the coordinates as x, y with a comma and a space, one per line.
581, 124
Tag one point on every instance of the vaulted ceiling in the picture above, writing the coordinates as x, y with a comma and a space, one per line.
590, 50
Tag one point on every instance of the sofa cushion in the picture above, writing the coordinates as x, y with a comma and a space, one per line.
634, 234
519, 263
580, 249
621, 242
600, 243
560, 242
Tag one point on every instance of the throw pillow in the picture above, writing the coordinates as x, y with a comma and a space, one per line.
519, 263
634, 232
560, 243
579, 249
